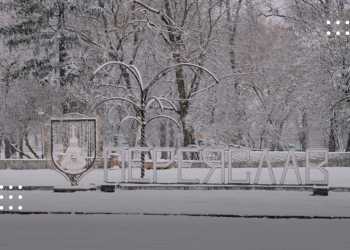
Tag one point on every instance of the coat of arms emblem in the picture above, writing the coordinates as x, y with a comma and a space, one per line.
73, 146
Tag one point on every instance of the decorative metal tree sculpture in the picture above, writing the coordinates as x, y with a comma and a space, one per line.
145, 100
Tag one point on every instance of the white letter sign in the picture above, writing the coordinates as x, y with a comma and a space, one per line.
237, 181
181, 161
214, 158
293, 166
265, 156
319, 167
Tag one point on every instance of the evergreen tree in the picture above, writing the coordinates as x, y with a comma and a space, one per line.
39, 33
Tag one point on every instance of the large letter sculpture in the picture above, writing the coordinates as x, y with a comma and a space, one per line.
134, 160
190, 153
293, 166
319, 167
214, 158
265, 156
230, 178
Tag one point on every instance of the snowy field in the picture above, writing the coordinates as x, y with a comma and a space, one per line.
237, 202
338, 176
137, 223
138, 230
226, 202
101, 232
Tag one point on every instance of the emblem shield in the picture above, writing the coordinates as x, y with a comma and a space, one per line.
73, 146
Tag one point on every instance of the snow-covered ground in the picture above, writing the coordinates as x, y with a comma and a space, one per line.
103, 232
176, 201
231, 202
152, 232
238, 202
338, 176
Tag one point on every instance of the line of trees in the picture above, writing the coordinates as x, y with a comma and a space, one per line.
283, 81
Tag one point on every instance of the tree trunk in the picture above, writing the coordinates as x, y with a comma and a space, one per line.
187, 131
163, 138
348, 143
171, 135
20, 143
232, 20
303, 132
8, 148
232, 23
188, 134
143, 141
62, 54
262, 139
276, 138
332, 137
27, 143
177, 44
61, 43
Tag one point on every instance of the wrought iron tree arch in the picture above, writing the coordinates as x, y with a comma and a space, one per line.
145, 101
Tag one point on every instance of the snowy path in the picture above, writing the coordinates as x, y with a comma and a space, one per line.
101, 232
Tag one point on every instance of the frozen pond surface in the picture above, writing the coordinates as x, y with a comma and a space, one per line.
102, 232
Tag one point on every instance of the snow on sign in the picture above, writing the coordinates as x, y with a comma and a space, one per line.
73, 145
211, 159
